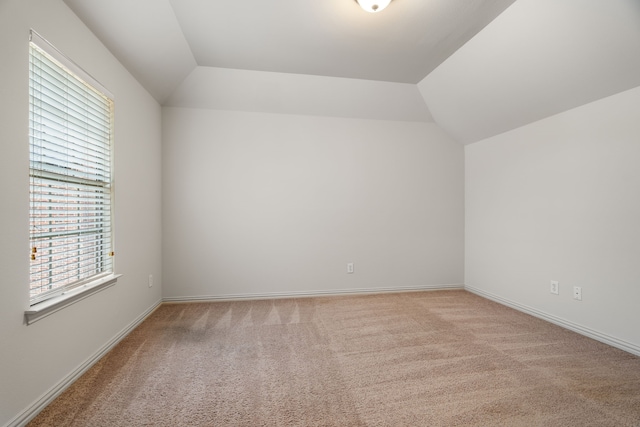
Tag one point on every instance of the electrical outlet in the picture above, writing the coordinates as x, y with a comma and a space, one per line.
150, 281
350, 268
555, 287
577, 293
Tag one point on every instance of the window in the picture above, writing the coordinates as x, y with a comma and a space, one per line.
71, 193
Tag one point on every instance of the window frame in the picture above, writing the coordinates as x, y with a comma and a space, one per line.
47, 302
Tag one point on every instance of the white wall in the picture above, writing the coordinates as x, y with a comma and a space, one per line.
258, 204
34, 359
560, 199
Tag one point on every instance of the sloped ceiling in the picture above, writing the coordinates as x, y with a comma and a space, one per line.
332, 37
145, 37
537, 59
162, 41
282, 93
478, 75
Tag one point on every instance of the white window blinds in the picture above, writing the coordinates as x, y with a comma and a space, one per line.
70, 135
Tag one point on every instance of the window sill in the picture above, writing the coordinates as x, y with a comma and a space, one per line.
45, 308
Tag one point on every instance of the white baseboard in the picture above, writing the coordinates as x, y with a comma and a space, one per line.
582, 330
302, 294
32, 410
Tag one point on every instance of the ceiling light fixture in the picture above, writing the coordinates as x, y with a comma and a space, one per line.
373, 5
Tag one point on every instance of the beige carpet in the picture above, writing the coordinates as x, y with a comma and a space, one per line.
446, 358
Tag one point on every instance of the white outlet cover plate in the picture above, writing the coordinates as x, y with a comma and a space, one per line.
577, 293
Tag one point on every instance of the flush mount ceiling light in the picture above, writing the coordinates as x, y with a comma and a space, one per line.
373, 5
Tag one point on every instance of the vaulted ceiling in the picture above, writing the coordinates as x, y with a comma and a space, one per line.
161, 41
481, 66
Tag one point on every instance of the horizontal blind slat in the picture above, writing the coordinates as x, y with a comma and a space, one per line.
95, 247
53, 264
62, 242
66, 98
63, 234
42, 63
71, 140
45, 281
68, 263
79, 118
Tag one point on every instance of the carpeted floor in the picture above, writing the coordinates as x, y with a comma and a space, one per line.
445, 358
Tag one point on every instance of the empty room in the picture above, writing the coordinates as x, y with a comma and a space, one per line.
329, 213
